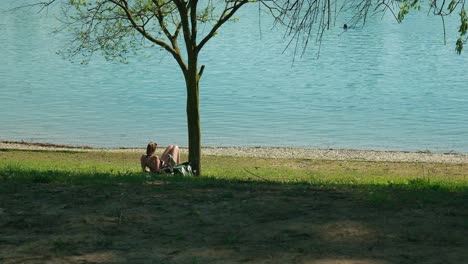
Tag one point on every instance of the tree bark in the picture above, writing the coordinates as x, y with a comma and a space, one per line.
193, 114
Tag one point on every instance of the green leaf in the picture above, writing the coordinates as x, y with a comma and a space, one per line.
463, 23
459, 46
451, 6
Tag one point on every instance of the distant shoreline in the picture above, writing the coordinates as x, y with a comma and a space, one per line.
273, 152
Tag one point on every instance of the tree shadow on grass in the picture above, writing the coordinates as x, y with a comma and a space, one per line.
63, 217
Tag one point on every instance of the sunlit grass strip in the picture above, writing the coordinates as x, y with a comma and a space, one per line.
72, 166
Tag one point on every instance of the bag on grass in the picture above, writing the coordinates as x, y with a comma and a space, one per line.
183, 169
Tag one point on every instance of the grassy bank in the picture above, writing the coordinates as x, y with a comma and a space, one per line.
70, 166
96, 207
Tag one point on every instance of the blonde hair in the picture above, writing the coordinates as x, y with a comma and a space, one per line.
151, 148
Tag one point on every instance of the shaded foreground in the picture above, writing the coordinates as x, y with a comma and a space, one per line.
162, 221
128, 218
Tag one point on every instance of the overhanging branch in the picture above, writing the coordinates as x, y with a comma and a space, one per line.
225, 16
176, 54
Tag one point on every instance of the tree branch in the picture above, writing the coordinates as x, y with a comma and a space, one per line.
193, 21
182, 8
225, 16
175, 53
42, 4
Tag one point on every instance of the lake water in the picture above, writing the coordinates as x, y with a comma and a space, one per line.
385, 86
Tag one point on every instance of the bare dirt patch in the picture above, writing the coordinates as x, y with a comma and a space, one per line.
163, 221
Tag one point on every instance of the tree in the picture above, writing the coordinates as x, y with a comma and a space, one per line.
118, 27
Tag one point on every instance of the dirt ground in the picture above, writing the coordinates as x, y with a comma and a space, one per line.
182, 222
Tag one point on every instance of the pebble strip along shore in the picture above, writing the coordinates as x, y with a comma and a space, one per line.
279, 152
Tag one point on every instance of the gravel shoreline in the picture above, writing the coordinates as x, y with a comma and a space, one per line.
276, 152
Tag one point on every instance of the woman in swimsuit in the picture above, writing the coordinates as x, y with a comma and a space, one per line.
152, 163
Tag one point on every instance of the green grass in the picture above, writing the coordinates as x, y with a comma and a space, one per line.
104, 167
378, 182
64, 205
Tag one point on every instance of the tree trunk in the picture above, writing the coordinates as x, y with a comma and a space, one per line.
193, 115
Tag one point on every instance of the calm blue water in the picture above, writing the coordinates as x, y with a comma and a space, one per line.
386, 86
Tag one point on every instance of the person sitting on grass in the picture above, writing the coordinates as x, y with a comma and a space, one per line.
154, 164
